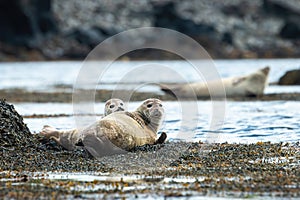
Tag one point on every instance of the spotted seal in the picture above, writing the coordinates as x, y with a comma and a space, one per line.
117, 131
122, 131
249, 85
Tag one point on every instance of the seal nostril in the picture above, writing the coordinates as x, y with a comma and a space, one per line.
120, 109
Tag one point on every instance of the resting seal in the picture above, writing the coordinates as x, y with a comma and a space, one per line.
113, 105
125, 130
115, 132
69, 138
250, 85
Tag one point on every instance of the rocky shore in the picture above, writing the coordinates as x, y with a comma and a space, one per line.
173, 169
70, 29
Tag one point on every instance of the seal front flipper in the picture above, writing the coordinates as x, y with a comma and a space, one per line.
100, 146
162, 138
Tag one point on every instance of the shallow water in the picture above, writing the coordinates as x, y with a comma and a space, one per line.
244, 122
56, 76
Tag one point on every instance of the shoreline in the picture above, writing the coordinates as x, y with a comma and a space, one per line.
175, 169
20, 95
35, 167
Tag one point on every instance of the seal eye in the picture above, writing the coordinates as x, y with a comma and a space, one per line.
121, 104
149, 105
111, 106
160, 105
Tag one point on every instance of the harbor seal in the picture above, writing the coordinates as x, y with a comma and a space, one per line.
69, 138
122, 131
116, 132
113, 105
249, 85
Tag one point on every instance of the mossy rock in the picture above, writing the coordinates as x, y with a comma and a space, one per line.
13, 131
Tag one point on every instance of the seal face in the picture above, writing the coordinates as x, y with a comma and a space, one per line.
124, 130
113, 105
151, 111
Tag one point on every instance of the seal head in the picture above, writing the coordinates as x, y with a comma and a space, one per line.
151, 111
113, 105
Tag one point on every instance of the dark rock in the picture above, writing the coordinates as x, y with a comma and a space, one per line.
290, 12
13, 131
290, 78
14, 24
90, 37
166, 16
227, 38
36, 30
291, 29
20, 150
239, 10
281, 8
61, 46
25, 22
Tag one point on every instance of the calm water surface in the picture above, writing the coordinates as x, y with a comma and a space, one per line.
51, 76
245, 122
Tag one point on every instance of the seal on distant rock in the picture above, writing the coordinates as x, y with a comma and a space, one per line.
69, 138
249, 85
121, 131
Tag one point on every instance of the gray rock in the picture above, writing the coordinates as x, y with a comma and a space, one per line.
290, 78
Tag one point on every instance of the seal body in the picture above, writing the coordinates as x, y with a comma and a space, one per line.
249, 85
116, 132
121, 131
69, 138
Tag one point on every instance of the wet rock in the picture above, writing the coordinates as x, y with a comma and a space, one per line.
22, 151
290, 78
147, 147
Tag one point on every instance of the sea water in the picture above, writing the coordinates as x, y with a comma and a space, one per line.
246, 122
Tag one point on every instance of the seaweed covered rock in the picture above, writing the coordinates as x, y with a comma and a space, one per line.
13, 131
22, 151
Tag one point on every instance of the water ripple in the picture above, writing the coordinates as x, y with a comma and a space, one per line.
244, 121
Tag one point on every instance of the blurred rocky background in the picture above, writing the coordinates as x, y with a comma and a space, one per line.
70, 29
